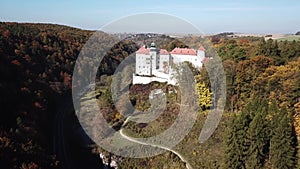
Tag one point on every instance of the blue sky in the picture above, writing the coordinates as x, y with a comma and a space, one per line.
211, 16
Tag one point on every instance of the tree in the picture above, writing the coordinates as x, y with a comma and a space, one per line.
281, 83
232, 158
204, 95
257, 137
282, 151
235, 142
246, 74
231, 50
176, 43
230, 69
289, 50
261, 49
270, 49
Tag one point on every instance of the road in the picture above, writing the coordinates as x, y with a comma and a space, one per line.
72, 145
188, 166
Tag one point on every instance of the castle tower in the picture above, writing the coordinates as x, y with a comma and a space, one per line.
201, 52
153, 57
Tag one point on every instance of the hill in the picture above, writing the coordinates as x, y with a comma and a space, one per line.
36, 67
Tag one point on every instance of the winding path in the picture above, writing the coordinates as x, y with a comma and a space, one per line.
188, 166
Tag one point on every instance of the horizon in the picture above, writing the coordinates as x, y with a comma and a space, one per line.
239, 16
157, 33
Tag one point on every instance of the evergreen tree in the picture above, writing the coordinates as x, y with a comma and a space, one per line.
236, 142
262, 47
282, 152
257, 138
233, 157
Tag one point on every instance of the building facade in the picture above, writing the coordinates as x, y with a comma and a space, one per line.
153, 64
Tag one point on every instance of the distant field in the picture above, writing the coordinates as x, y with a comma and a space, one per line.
290, 38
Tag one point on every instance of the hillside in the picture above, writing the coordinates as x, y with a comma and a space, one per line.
36, 66
37, 62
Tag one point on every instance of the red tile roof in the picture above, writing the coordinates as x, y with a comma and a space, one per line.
178, 51
163, 52
205, 60
143, 50
201, 48
184, 51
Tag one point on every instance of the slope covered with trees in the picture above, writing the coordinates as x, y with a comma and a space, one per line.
36, 66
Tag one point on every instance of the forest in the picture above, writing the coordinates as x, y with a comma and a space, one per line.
260, 127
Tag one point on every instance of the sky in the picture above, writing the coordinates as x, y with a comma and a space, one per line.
210, 16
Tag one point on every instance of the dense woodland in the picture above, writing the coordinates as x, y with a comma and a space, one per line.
260, 127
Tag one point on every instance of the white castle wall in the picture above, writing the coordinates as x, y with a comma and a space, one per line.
195, 60
147, 80
164, 59
143, 64
155, 67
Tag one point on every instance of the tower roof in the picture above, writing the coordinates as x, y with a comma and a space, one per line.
152, 45
201, 48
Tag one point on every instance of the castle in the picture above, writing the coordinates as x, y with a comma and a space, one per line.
153, 64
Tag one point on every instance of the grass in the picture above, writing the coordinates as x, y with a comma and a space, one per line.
290, 38
207, 155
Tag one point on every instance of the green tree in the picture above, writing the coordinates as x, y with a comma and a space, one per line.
230, 70
236, 143
176, 43
257, 137
282, 151
231, 50
270, 49
232, 158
